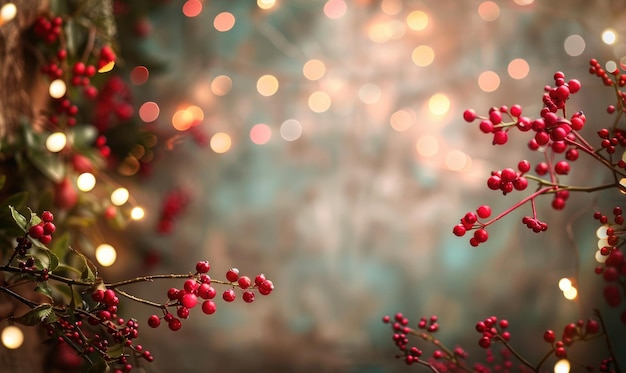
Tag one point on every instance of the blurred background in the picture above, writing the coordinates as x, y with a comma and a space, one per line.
322, 143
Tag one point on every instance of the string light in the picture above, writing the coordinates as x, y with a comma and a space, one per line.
7, 12
423, 55
314, 69
266, 4
106, 68
137, 213
518, 68
439, 104
609, 36
139, 75
574, 45
260, 134
267, 85
221, 85
571, 293
85, 182
565, 283
290, 130
417, 20
562, 366
57, 88
319, 101
488, 81
220, 142
224, 21
149, 111
106, 255
335, 9
427, 145
488, 11
56, 142
120, 196
192, 8
12, 337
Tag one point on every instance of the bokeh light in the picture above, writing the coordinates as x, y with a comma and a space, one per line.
518, 68
335, 9
12, 337
197, 114
224, 21
609, 36
369, 93
571, 293
107, 67
106, 255
523, 2
137, 213
488, 11
182, 119
456, 160
417, 20
149, 111
266, 4
423, 55
85, 182
120, 196
599, 257
562, 366
139, 75
439, 104
565, 283
319, 101
220, 142
610, 66
57, 88
314, 69
192, 8
260, 134
7, 12
402, 120
427, 145
574, 45
391, 7
56, 142
221, 85
267, 85
488, 81
290, 130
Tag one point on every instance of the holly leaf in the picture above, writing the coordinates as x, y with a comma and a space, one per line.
37, 315
87, 274
19, 219
61, 245
44, 288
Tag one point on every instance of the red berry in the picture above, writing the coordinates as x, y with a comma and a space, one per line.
500, 138
172, 293
97, 296
189, 300
154, 321
481, 235
248, 296
190, 285
203, 266
183, 312
45, 239
459, 230
258, 280
560, 352
244, 282
266, 287
47, 216
229, 295
574, 85
206, 291
49, 228
469, 115
174, 324
36, 231
484, 342
562, 168
549, 336
592, 326
208, 307
483, 211
232, 275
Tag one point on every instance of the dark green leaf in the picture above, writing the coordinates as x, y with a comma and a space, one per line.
66, 270
44, 289
60, 247
19, 219
99, 367
87, 274
50, 165
115, 350
35, 316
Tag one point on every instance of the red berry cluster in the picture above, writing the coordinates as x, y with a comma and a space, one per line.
44, 229
105, 57
571, 332
114, 104
199, 288
174, 204
471, 221
492, 330
48, 29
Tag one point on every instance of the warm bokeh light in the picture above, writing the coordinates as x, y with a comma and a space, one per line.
369, 93
427, 145
439, 104
377, 32
106, 255
149, 112
12, 337
139, 75
182, 119
221, 85
456, 160
265, 4
120, 196
402, 120
7, 12
220, 142
314, 69
518, 68
192, 8
610, 66
488, 81
602, 243
609, 36
319, 102
565, 283
56, 142
562, 366
137, 213
85, 182
423, 55
523, 2
417, 20
335, 9
391, 7
574, 45
290, 130
260, 134
601, 232
267, 85
600, 258
224, 21
57, 88
488, 11
571, 293
197, 114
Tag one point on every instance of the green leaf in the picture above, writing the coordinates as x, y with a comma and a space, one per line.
115, 351
60, 247
19, 219
99, 367
87, 273
53, 260
62, 269
34, 219
3, 179
37, 315
50, 165
44, 288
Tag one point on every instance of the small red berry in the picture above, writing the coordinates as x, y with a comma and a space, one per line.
232, 275
47, 216
203, 266
229, 295
483, 211
244, 282
469, 115
154, 321
209, 307
174, 324
49, 228
484, 342
549, 336
36, 231
189, 300
97, 296
266, 287
258, 280
248, 296
459, 230
190, 285
206, 291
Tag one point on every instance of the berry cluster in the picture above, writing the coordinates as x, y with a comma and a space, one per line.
572, 332
492, 330
471, 221
174, 204
48, 29
113, 104
44, 229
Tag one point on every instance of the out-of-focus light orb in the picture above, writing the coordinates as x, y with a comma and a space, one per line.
574, 45
600, 258
523, 2
427, 145
417, 20
369, 93
601, 232
602, 243
267, 85
182, 119
137, 213
139, 75
622, 183
609, 36
391, 7
518, 68
439, 104
120, 196
260, 134
197, 114
221, 85
562, 366
7, 12
423, 55
149, 111
394, 29
85, 182
314, 69
106, 255
266, 4
377, 32
456, 160
402, 120
290, 130
57, 88
220, 142
565, 283
610, 66
12, 337
488, 81
335, 9
56, 142
107, 67
319, 101
571, 293
192, 8
488, 11
224, 21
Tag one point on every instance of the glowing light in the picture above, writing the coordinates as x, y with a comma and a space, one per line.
7, 12
137, 213
427, 145
12, 337
220, 142
319, 101
182, 120
85, 182
260, 134
488, 81
523, 2
571, 293
622, 183
602, 243
394, 29
417, 20
57, 88
391, 7
192, 8
600, 258
609, 36
56, 142
108, 67
369, 93
402, 120
267, 85
224, 21
265, 4
314, 69
120, 196
488, 11
149, 111
562, 366
610, 66
139, 75
601, 232
574, 45
290, 130
377, 32
197, 114
456, 160
335, 9
518, 68
106, 255
221, 85
565, 283
423, 55
439, 104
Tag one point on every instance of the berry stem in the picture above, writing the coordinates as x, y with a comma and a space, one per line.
20, 298
449, 354
139, 300
517, 355
556, 186
518, 204
608, 340
151, 278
